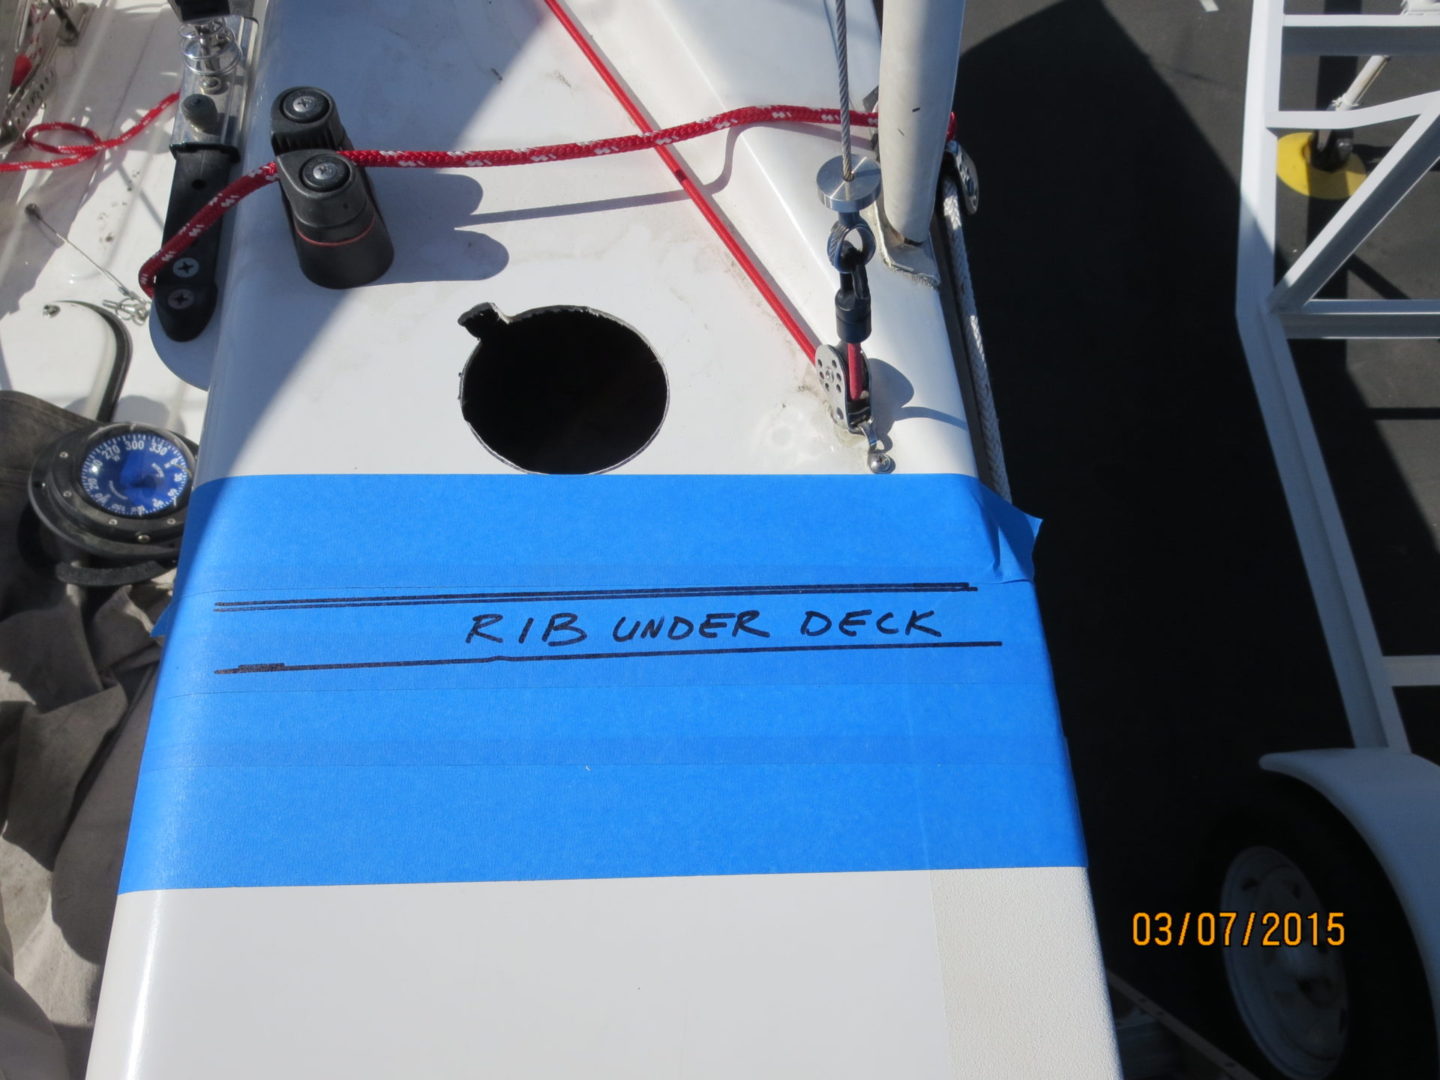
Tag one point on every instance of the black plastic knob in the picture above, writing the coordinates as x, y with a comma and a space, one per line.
200, 112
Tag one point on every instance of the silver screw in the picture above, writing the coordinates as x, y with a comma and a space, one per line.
170, 521
186, 267
303, 107
180, 299
113, 521
325, 173
68, 494
143, 538
64, 453
212, 84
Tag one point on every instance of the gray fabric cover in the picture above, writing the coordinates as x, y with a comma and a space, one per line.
76, 676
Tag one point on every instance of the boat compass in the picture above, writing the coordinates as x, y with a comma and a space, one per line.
111, 497
848, 186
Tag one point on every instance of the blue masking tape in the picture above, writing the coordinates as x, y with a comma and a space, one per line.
386, 679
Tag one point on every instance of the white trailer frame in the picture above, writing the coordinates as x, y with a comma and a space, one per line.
1391, 796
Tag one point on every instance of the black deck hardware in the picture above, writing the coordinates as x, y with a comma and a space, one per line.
340, 236
214, 88
186, 291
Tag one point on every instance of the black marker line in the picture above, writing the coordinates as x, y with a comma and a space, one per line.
583, 598
228, 606
265, 669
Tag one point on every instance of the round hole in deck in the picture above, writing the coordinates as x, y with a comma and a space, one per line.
561, 390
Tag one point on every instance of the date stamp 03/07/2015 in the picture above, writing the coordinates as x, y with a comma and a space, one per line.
1269, 929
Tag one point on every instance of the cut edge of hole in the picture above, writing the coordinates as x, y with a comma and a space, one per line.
581, 309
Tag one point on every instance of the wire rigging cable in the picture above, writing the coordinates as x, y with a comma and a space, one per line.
842, 64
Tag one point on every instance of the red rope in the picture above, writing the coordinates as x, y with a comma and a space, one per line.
650, 139
707, 209
204, 218
75, 153
855, 366
252, 181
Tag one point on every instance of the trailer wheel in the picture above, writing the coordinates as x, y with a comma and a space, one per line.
1330, 985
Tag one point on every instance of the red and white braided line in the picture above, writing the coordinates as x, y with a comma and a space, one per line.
252, 181
75, 153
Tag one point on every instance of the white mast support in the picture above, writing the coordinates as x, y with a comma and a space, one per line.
919, 53
1379, 787
1269, 315
1362, 84
1352, 95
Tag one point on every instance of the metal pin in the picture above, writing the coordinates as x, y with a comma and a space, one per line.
137, 304
876, 459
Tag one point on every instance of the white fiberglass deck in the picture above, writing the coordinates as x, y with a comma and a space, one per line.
923, 972
308, 376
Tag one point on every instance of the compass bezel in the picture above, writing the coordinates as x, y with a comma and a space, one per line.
59, 498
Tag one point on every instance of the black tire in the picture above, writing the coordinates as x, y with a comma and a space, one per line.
1385, 1010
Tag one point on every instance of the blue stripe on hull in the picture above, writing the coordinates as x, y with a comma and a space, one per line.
387, 679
